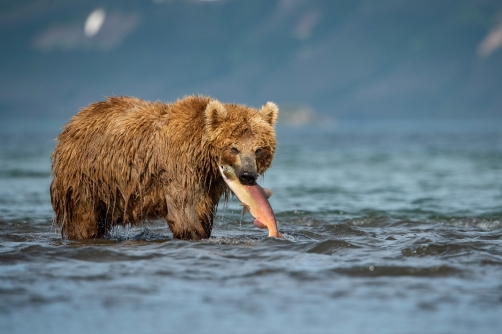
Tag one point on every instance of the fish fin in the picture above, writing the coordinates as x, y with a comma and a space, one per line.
259, 224
268, 192
245, 209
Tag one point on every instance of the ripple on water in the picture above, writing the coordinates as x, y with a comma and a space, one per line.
341, 230
373, 271
330, 246
436, 249
483, 223
147, 234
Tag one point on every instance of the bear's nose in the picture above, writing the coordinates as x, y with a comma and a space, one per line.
247, 178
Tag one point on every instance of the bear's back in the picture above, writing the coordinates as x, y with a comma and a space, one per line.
123, 114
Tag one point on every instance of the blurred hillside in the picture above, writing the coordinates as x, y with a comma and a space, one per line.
343, 59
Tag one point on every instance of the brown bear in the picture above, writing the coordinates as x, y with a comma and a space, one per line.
125, 160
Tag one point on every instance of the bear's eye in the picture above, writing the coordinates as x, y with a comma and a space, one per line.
258, 151
234, 150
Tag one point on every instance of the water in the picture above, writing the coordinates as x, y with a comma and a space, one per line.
391, 227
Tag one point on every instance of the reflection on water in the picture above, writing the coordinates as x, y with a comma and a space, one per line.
387, 230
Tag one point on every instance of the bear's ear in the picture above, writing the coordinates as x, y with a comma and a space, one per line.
269, 112
215, 113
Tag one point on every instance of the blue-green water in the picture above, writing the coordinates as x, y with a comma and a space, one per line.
391, 227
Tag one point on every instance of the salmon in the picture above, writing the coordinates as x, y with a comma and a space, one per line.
255, 199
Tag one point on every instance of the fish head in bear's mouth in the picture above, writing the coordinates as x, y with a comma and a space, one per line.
228, 173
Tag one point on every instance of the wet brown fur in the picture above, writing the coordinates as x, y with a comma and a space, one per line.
125, 160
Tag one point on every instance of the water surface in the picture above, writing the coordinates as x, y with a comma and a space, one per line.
391, 227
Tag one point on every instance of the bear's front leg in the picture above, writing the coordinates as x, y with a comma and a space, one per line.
188, 220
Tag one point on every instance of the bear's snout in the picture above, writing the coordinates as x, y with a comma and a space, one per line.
247, 178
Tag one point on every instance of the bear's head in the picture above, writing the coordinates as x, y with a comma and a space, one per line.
242, 137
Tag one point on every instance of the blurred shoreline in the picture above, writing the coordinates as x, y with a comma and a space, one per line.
343, 125
341, 59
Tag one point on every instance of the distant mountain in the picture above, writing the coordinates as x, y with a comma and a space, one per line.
389, 58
